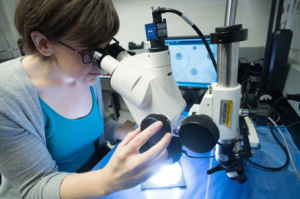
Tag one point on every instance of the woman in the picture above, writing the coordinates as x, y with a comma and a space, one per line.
51, 108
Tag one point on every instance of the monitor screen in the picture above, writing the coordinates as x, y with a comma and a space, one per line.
190, 61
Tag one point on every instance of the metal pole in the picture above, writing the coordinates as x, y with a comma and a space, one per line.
228, 64
228, 53
231, 6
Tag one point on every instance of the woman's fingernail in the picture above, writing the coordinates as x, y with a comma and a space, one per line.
157, 124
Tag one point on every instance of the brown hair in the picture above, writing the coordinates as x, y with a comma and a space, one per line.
89, 22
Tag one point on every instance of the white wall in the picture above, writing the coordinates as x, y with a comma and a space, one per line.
206, 14
134, 14
295, 55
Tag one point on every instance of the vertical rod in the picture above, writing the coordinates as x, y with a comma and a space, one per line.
228, 53
279, 13
231, 6
267, 55
228, 64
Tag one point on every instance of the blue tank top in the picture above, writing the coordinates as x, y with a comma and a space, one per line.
71, 142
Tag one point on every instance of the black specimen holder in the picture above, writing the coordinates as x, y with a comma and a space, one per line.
229, 34
174, 148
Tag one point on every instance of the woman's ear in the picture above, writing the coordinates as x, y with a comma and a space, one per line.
41, 43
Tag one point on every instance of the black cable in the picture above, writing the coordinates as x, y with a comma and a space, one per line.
248, 68
198, 32
173, 11
285, 111
274, 106
185, 153
274, 168
206, 45
290, 125
258, 60
252, 71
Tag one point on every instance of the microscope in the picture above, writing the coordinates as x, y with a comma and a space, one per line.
151, 93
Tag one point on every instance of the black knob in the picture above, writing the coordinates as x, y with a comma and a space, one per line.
260, 114
199, 133
175, 145
189, 98
152, 118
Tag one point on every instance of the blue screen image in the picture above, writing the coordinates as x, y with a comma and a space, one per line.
191, 63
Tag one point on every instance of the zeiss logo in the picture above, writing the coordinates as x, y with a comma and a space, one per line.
150, 31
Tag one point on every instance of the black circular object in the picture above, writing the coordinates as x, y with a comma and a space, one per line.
229, 28
158, 46
152, 118
189, 98
229, 37
260, 114
115, 49
174, 150
201, 94
175, 132
199, 133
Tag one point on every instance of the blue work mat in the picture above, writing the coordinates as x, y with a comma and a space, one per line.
260, 183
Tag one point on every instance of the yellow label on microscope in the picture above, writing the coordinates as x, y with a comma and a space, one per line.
228, 115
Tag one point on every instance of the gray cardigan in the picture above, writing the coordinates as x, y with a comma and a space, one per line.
26, 166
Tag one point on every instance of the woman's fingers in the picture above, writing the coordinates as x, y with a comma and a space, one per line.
143, 136
130, 136
155, 151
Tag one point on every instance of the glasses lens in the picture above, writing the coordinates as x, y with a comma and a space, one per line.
86, 57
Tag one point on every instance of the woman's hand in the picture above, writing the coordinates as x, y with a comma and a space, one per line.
127, 168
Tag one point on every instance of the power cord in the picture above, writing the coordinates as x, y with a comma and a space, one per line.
287, 146
165, 10
290, 125
185, 153
274, 106
274, 168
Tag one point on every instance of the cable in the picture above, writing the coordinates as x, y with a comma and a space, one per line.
258, 60
274, 106
164, 10
185, 153
252, 71
285, 111
285, 151
290, 125
246, 94
287, 146
248, 68
206, 45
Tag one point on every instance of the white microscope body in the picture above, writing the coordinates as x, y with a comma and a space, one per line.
223, 106
146, 83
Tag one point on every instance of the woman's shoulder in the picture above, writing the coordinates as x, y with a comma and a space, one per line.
16, 89
13, 77
11, 71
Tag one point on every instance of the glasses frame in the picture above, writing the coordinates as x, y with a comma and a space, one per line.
84, 52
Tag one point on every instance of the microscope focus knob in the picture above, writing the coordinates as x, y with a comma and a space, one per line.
199, 133
152, 118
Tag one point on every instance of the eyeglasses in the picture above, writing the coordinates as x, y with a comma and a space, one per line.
85, 54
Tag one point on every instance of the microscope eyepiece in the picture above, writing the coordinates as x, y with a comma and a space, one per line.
97, 56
